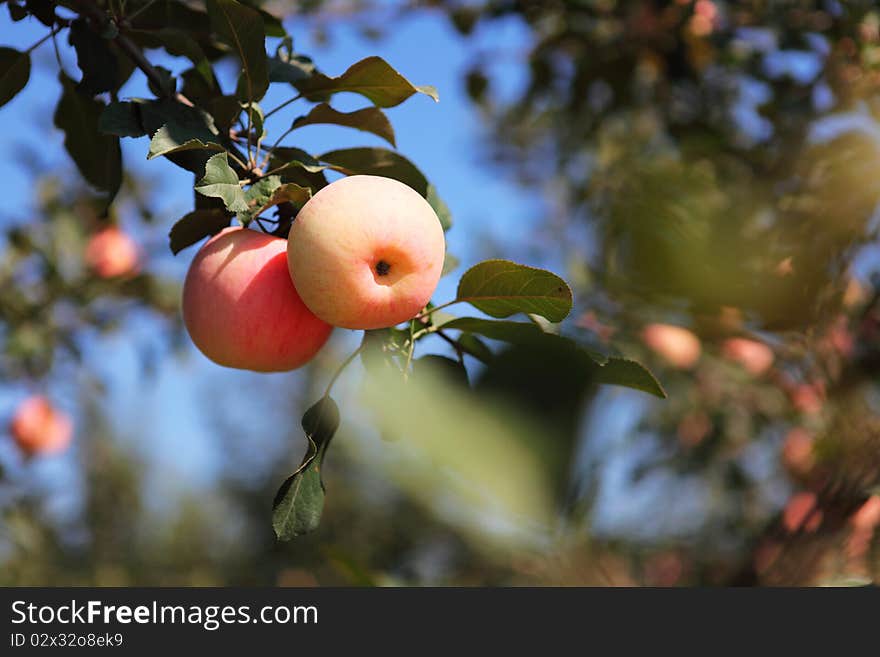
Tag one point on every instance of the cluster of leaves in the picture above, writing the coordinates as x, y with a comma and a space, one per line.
221, 138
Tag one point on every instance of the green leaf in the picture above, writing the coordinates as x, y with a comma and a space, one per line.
377, 162
505, 331
97, 156
182, 124
300, 500
224, 109
475, 347
369, 119
297, 159
221, 182
630, 374
242, 28
614, 371
170, 139
15, 71
122, 120
257, 118
372, 77
269, 192
441, 366
94, 59
179, 43
196, 226
501, 288
440, 207
291, 69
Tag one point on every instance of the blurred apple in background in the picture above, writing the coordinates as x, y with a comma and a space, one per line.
676, 345
756, 357
37, 427
111, 253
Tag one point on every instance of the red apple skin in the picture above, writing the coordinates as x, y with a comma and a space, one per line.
37, 427
366, 252
240, 306
756, 357
111, 253
676, 345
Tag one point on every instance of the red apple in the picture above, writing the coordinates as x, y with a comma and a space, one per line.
39, 428
366, 252
676, 345
241, 309
754, 356
111, 252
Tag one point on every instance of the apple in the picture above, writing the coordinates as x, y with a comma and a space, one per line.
797, 451
754, 356
676, 345
111, 252
39, 428
802, 513
366, 252
241, 309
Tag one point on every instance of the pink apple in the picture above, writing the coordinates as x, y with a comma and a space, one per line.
754, 356
111, 252
39, 428
366, 252
676, 345
240, 308
802, 513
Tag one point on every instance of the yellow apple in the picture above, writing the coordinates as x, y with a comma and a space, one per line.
366, 252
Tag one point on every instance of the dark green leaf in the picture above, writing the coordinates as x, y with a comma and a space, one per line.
296, 158
369, 119
300, 500
501, 288
291, 70
220, 181
165, 86
615, 371
224, 109
182, 124
196, 226
372, 77
15, 70
475, 347
448, 368
505, 331
242, 28
122, 120
94, 58
16, 11
377, 162
43, 10
97, 156
180, 44
630, 374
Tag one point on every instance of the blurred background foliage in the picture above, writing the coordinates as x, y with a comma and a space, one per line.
704, 173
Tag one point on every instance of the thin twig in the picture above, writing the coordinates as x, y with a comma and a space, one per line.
339, 369
142, 9
282, 106
51, 34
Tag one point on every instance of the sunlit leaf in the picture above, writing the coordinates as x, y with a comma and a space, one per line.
369, 119
372, 77
501, 288
220, 181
